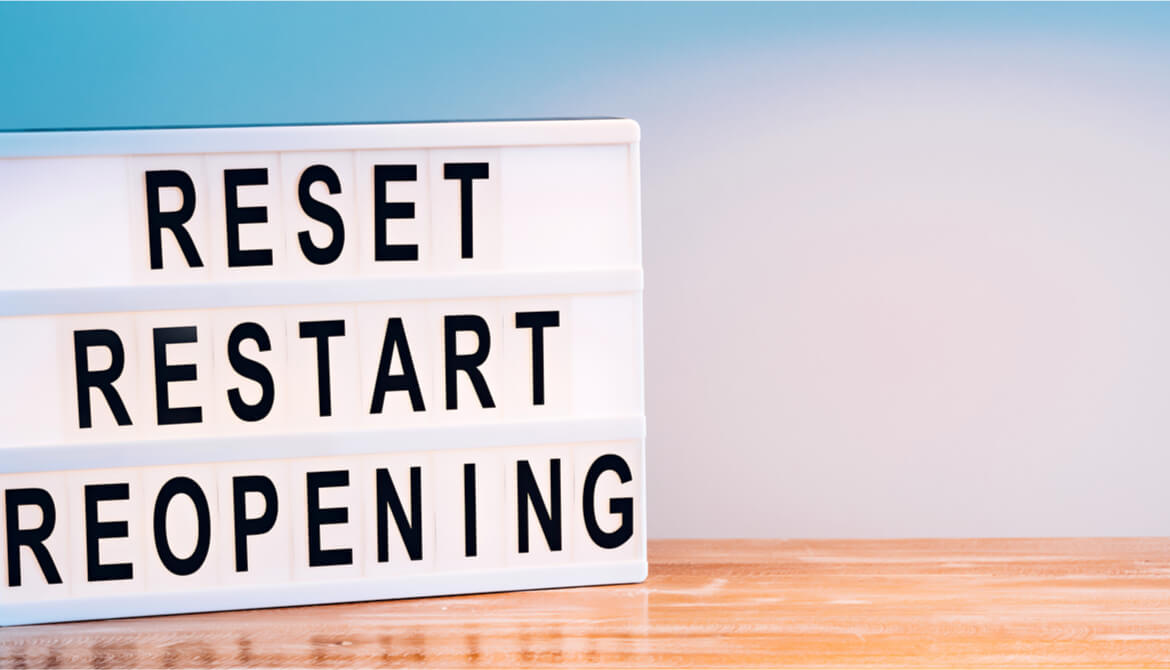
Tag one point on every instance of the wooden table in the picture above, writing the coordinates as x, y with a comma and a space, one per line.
1068, 602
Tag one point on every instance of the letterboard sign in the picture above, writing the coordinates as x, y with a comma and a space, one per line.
269, 366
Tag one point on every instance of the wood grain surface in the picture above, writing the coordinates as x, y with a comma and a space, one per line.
1020, 602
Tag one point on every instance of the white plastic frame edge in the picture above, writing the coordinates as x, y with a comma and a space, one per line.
239, 139
324, 593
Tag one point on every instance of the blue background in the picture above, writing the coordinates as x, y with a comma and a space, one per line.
80, 66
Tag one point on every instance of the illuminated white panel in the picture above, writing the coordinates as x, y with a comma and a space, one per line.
253, 367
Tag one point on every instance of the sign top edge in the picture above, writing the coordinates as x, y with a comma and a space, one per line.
317, 137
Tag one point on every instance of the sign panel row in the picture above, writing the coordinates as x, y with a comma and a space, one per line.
142, 220
240, 371
78, 535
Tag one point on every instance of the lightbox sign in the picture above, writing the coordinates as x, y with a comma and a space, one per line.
268, 366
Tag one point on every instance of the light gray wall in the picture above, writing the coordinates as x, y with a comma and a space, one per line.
910, 290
